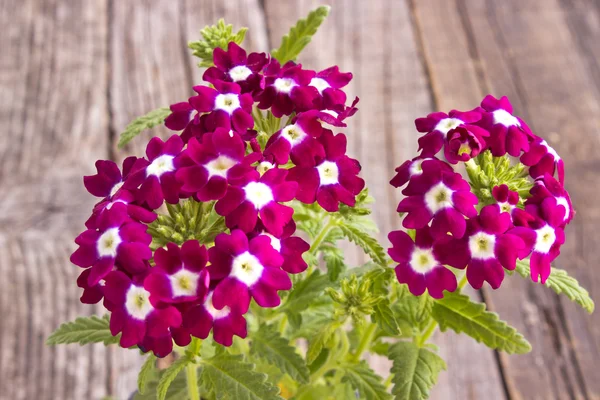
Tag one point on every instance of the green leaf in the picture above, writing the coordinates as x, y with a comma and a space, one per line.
169, 376
177, 389
560, 281
147, 373
415, 370
369, 244
366, 381
457, 312
300, 35
334, 259
384, 318
306, 291
323, 339
135, 127
232, 379
268, 344
214, 36
83, 330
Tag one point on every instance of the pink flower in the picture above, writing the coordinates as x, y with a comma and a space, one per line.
543, 159
440, 195
411, 168
235, 66
245, 269
464, 143
179, 275
205, 168
508, 201
546, 187
508, 134
290, 247
227, 107
92, 294
287, 89
329, 83
419, 266
437, 125
184, 117
259, 196
117, 240
334, 178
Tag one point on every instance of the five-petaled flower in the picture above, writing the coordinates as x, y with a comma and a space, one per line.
437, 125
508, 201
543, 159
329, 83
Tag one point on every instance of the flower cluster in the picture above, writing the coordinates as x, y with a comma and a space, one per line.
453, 228
160, 295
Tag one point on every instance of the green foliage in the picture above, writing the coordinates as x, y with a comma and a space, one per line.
415, 371
214, 36
146, 373
169, 375
300, 35
457, 312
560, 281
369, 244
334, 260
363, 379
177, 389
324, 338
83, 330
148, 121
383, 316
268, 344
412, 313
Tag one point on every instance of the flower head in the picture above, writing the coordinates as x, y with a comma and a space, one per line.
437, 125
543, 159
329, 83
508, 201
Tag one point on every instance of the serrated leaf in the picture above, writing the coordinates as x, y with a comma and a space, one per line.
334, 260
300, 35
177, 389
369, 244
135, 127
560, 281
232, 379
269, 345
457, 312
306, 291
169, 375
83, 330
321, 340
384, 318
415, 371
147, 373
366, 381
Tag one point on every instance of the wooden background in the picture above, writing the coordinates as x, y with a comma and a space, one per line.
74, 73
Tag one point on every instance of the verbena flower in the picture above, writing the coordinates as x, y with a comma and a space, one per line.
92, 294
117, 240
333, 179
290, 247
464, 143
543, 159
411, 168
546, 187
437, 125
440, 195
418, 264
184, 118
246, 269
329, 83
508, 201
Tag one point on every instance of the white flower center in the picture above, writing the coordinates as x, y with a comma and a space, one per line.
422, 260
137, 302
108, 243
276, 243
247, 269
161, 165
447, 124
545, 238
293, 134
550, 150
438, 198
116, 188
219, 166
319, 84
258, 194
264, 167
328, 173
284, 85
239, 73
216, 314
505, 118
416, 167
505, 207
184, 283
562, 201
482, 245
228, 102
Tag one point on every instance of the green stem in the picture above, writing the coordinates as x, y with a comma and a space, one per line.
321, 236
365, 342
191, 373
283, 323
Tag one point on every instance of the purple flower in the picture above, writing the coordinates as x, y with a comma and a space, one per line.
245, 269
550, 187
437, 125
287, 89
179, 275
259, 196
412, 168
508, 134
508, 201
182, 117
440, 195
334, 178
543, 159
290, 247
235, 66
464, 143
329, 83
92, 294
117, 240
157, 174
418, 264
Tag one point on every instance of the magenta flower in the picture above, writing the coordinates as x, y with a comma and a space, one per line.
117, 240
329, 83
411, 168
235, 66
485, 249
437, 125
550, 187
225, 323
543, 159
92, 294
179, 275
133, 314
287, 89
464, 143
205, 168
259, 196
184, 118
508, 201
245, 269
157, 174
418, 264
440, 195
290, 247
508, 134
334, 178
